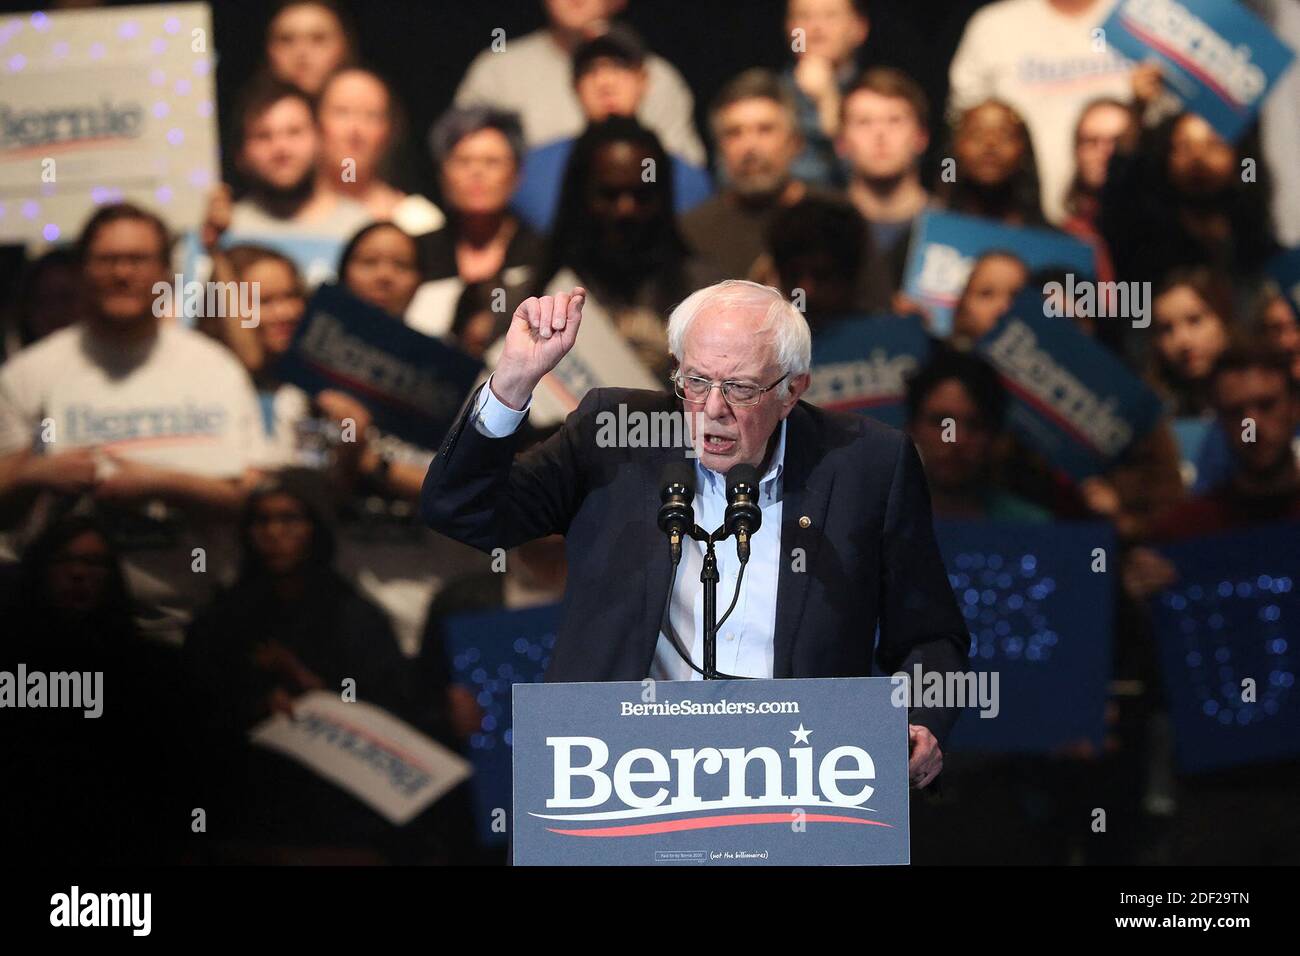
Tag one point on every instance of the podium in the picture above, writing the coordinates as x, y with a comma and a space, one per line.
726, 772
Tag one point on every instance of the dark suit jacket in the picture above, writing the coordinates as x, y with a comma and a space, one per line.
870, 553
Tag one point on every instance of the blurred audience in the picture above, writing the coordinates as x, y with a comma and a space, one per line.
478, 151
609, 77
883, 137
1045, 60
994, 173
756, 131
358, 117
825, 37
307, 40
532, 76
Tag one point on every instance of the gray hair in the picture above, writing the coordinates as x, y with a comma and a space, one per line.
461, 121
792, 340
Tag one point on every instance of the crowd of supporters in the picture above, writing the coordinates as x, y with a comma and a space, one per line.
217, 540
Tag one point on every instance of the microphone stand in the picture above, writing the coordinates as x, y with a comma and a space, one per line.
709, 578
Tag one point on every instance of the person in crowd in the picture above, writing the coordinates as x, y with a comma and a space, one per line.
532, 76
756, 130
132, 410
289, 625
359, 123
615, 232
825, 37
478, 151
1145, 480
49, 297
287, 418
75, 787
1191, 322
1247, 383
1043, 59
278, 150
393, 559
476, 323
1279, 124
1181, 199
609, 77
883, 136
307, 40
956, 408
1274, 325
996, 173
993, 284
382, 264
1104, 125
1277, 324
820, 246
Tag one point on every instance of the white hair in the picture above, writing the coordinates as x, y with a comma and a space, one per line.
792, 341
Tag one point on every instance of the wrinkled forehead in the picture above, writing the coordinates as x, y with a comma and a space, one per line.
730, 339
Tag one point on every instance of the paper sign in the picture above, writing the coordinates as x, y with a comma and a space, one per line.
1217, 56
381, 760
100, 106
861, 364
946, 245
413, 384
1071, 398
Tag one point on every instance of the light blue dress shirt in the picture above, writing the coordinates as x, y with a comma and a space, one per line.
746, 642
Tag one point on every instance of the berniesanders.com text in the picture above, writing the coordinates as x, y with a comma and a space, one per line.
690, 708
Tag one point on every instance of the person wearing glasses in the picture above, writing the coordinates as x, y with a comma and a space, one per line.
157, 423
846, 545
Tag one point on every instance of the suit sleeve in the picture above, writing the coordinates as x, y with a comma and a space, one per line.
919, 620
479, 493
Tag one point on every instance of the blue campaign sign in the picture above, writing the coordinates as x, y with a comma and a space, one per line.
1216, 55
742, 772
861, 364
413, 384
1232, 616
1040, 622
946, 245
1285, 270
489, 652
1071, 398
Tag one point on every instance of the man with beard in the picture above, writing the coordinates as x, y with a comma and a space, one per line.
757, 134
616, 236
277, 152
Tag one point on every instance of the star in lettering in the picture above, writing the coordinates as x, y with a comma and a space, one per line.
801, 735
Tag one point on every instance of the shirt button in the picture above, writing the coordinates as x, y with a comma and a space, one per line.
731, 637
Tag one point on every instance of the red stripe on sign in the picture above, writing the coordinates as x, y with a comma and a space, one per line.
706, 823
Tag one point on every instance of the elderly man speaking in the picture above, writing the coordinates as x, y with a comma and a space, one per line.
844, 578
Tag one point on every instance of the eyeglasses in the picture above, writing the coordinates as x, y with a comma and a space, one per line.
695, 389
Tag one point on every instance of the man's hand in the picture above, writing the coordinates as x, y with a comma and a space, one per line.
1146, 81
1146, 572
128, 480
216, 218
926, 759
67, 473
540, 334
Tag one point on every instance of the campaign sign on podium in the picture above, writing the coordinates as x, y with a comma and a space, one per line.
730, 772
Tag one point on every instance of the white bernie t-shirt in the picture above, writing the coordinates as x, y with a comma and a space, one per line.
1047, 66
178, 401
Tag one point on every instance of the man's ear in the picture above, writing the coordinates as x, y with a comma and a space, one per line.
798, 385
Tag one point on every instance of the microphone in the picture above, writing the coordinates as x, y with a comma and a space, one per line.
743, 516
676, 516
